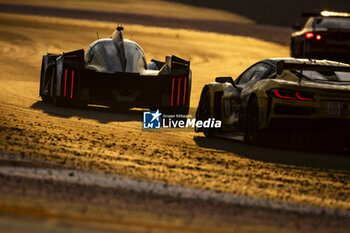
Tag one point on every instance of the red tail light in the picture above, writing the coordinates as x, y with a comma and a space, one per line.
71, 88
304, 96
65, 82
184, 97
68, 83
178, 92
309, 35
179, 87
284, 95
292, 95
172, 92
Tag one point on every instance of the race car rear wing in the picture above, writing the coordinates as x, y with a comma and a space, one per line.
283, 65
75, 58
310, 14
325, 14
176, 63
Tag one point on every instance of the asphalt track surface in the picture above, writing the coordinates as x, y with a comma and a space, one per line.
263, 32
59, 187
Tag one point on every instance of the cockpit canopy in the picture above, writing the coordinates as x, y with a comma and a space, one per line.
103, 55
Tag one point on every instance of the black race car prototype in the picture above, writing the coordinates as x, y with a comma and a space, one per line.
113, 72
326, 35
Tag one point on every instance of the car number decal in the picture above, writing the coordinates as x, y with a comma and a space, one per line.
333, 108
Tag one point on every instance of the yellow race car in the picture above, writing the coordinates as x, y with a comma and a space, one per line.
280, 96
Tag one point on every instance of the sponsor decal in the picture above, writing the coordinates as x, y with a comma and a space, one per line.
157, 120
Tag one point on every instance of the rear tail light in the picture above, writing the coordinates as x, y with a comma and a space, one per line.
178, 91
284, 94
68, 83
292, 95
65, 83
309, 35
71, 87
304, 96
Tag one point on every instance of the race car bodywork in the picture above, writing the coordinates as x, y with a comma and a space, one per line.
113, 72
280, 95
326, 35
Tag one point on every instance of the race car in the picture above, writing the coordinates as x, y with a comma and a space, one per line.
280, 96
113, 72
326, 35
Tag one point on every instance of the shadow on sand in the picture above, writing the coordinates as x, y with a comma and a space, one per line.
311, 158
299, 157
100, 114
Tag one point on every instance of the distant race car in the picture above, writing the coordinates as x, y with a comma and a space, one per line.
326, 35
113, 72
280, 95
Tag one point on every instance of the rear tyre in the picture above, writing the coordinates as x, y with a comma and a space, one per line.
46, 98
56, 101
45, 85
253, 134
184, 110
293, 52
204, 110
81, 104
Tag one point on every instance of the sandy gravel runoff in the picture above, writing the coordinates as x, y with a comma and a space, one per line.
104, 141
169, 15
